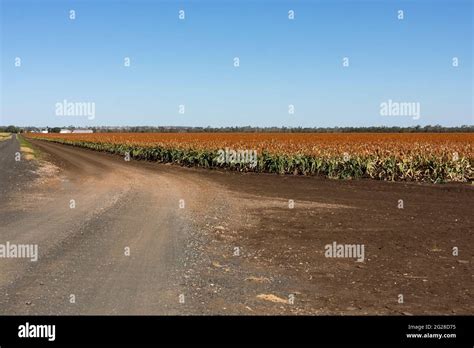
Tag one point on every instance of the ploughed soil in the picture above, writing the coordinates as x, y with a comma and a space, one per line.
217, 242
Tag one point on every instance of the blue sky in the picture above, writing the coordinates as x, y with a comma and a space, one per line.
282, 62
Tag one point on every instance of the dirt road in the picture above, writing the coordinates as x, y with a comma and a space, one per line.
118, 237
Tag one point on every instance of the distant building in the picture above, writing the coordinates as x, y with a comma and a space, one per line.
45, 131
65, 131
75, 131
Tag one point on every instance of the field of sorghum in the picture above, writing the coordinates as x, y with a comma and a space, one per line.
431, 157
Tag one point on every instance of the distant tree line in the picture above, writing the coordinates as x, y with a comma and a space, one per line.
249, 129
16, 129
10, 129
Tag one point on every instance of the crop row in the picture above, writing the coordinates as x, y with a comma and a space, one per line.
429, 162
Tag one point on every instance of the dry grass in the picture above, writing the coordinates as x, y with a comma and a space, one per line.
5, 136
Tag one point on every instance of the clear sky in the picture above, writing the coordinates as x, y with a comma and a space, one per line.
190, 62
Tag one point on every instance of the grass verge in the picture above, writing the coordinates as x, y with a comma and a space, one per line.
5, 136
27, 149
